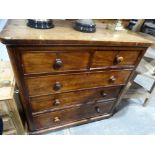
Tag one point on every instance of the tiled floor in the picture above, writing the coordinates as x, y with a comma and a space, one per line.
132, 119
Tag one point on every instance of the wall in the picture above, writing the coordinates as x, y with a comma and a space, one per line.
3, 52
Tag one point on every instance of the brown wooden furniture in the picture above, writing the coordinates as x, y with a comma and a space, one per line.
66, 77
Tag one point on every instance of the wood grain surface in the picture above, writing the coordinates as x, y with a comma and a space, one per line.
62, 117
66, 100
41, 62
109, 58
17, 32
69, 82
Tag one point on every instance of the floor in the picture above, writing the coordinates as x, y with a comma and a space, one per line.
133, 119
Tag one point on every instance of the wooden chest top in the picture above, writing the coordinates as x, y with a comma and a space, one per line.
17, 32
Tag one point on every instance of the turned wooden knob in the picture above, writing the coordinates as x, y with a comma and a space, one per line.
112, 79
97, 109
57, 64
56, 119
56, 102
57, 86
103, 94
119, 59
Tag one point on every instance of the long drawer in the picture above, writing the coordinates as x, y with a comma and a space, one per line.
61, 117
65, 100
67, 82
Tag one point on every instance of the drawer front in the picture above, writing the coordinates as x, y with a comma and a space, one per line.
46, 62
63, 100
73, 114
62, 83
114, 58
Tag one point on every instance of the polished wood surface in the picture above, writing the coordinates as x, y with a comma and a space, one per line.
54, 61
66, 77
72, 114
69, 82
17, 32
114, 58
66, 100
60, 61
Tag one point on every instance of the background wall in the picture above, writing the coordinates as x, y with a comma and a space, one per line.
3, 52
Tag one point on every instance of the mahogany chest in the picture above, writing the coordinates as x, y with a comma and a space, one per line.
66, 77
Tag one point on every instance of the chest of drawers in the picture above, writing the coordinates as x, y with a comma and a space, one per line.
67, 78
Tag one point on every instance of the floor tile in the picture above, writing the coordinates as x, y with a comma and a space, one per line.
60, 132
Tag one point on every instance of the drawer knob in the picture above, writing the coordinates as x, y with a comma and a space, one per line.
97, 109
56, 102
119, 59
57, 86
103, 94
112, 79
56, 119
58, 64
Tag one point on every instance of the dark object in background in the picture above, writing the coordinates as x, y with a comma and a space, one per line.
132, 23
1, 126
85, 25
40, 23
148, 27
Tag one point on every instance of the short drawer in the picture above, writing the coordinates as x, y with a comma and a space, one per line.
64, 100
47, 62
61, 117
70, 82
114, 58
